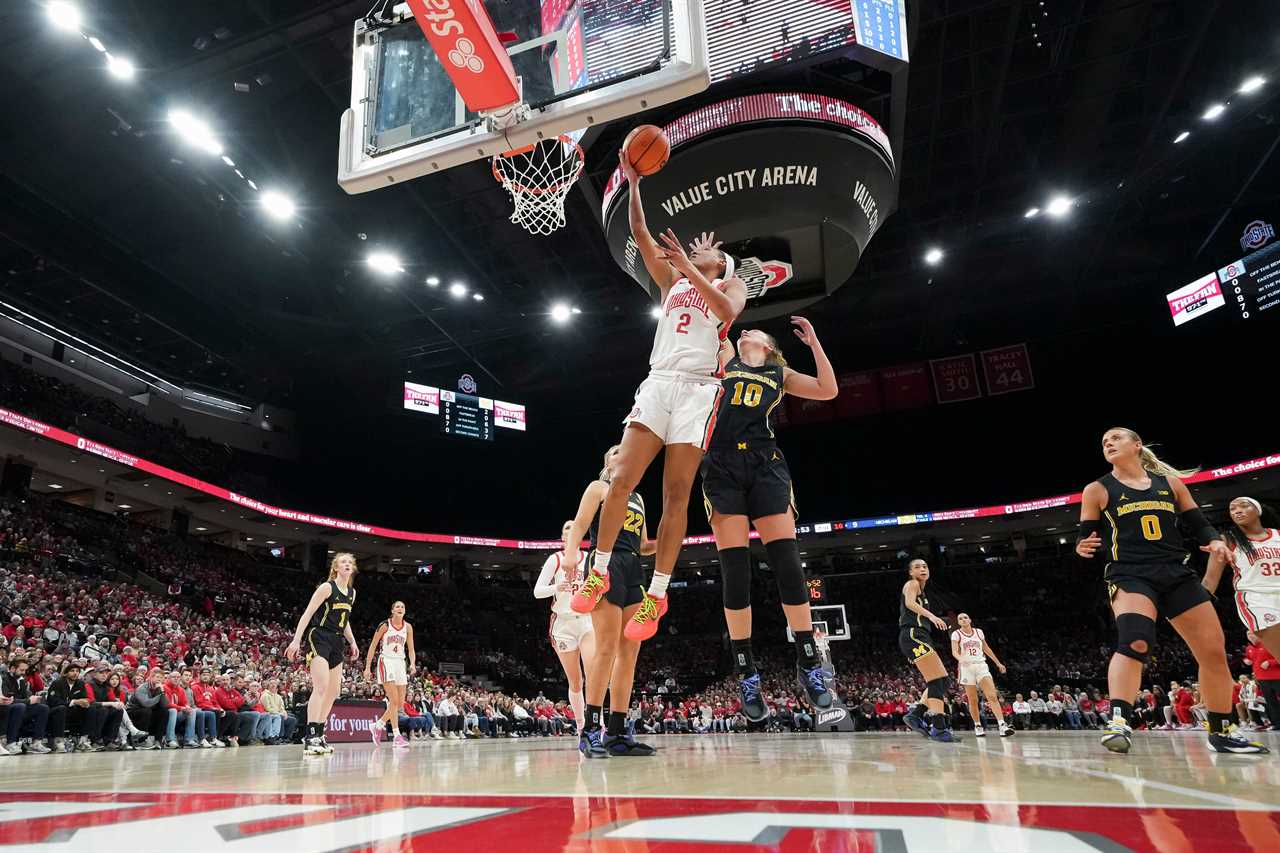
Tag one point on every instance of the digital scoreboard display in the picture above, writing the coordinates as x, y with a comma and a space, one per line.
466, 416
1245, 289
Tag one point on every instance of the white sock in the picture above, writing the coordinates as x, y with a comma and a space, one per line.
578, 702
658, 586
601, 565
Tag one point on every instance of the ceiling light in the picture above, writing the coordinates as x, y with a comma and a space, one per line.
55, 485
195, 132
433, 281
278, 205
63, 15
561, 312
1058, 207
120, 67
125, 506
576, 309
384, 263
248, 538
1031, 213
202, 529
97, 45
271, 541
1214, 111
457, 290
228, 161
478, 297
933, 257
656, 312
252, 185
1181, 136
1253, 84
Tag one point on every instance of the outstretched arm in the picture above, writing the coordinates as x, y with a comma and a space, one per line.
654, 258
726, 301
820, 387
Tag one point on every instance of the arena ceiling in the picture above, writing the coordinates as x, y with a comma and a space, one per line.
109, 225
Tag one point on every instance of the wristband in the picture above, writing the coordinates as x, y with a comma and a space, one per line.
1088, 528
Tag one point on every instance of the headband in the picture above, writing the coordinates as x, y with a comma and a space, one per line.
728, 265
1252, 503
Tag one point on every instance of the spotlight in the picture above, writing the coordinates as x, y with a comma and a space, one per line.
656, 312
278, 205
457, 290
576, 310
253, 186
933, 257
561, 313
1059, 206
1214, 111
384, 263
228, 161
97, 45
1253, 84
120, 67
433, 281
64, 16
195, 132
1181, 136
478, 297
1032, 213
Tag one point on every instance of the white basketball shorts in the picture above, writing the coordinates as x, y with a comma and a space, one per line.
973, 673
392, 670
1258, 610
566, 632
678, 411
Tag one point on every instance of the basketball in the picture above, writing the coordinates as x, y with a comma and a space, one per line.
647, 148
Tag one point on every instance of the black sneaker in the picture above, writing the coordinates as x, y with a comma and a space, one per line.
626, 746
1236, 743
913, 721
814, 682
753, 706
591, 744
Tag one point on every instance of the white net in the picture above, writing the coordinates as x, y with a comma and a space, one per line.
539, 178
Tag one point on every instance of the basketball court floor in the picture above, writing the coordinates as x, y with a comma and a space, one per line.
1040, 793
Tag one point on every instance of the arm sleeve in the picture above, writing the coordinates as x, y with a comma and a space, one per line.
1204, 531
546, 585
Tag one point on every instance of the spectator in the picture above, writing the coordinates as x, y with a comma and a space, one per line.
280, 724
1266, 672
1071, 708
149, 710
1039, 711
1021, 713
69, 695
1087, 715
106, 709
26, 721
1054, 707
184, 713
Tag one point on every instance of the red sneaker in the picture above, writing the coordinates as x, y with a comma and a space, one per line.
590, 593
644, 624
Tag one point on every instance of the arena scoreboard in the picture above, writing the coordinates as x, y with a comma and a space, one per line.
463, 414
1246, 289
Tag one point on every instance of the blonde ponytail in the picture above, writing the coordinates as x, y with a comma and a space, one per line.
1154, 464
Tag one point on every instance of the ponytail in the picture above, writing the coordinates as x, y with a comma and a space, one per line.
1155, 465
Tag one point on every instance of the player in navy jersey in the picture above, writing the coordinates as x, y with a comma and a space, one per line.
326, 622
745, 482
915, 638
1131, 517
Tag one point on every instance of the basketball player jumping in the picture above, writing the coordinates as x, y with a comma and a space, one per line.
915, 638
745, 481
613, 667
675, 407
1142, 500
1254, 545
969, 647
394, 636
324, 636
571, 633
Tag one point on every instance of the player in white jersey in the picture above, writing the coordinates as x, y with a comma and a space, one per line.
570, 632
393, 638
675, 406
1254, 544
969, 647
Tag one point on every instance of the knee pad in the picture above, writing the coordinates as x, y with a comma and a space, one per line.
1135, 628
735, 578
937, 688
784, 559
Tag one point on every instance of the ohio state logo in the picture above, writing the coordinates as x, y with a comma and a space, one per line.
1256, 234
1270, 617
463, 55
762, 276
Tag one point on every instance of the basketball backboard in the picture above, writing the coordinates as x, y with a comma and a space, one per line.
578, 63
830, 618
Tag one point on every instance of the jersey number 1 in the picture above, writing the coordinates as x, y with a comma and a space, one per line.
1150, 527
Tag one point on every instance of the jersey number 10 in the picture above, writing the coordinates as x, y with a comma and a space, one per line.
752, 396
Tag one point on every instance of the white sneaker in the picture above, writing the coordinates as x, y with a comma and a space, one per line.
149, 743
979, 731
219, 744
435, 735
38, 747
313, 746
171, 744
59, 745
15, 748
204, 744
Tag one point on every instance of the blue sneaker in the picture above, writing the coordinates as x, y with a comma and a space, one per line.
814, 682
626, 746
914, 722
591, 744
753, 706
941, 735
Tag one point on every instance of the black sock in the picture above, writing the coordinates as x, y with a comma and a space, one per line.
744, 664
593, 717
314, 730
1125, 710
807, 650
938, 720
1219, 724
617, 723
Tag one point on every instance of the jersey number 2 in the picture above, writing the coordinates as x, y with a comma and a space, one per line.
682, 325
634, 522
1150, 527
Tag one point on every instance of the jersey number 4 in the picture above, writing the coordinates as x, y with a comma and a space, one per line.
751, 398
634, 522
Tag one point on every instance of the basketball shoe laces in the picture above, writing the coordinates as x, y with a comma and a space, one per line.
815, 678
648, 610
591, 585
751, 688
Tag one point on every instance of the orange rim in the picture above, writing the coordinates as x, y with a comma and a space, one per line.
520, 188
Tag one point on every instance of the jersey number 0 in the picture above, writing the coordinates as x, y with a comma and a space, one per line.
1150, 527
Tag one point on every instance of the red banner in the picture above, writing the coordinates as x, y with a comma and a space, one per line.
955, 378
1007, 369
350, 720
904, 387
859, 394
464, 38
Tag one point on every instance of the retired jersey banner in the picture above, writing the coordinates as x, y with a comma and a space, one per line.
1007, 369
904, 387
804, 411
859, 394
955, 379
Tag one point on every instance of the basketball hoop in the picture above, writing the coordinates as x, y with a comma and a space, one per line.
539, 178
